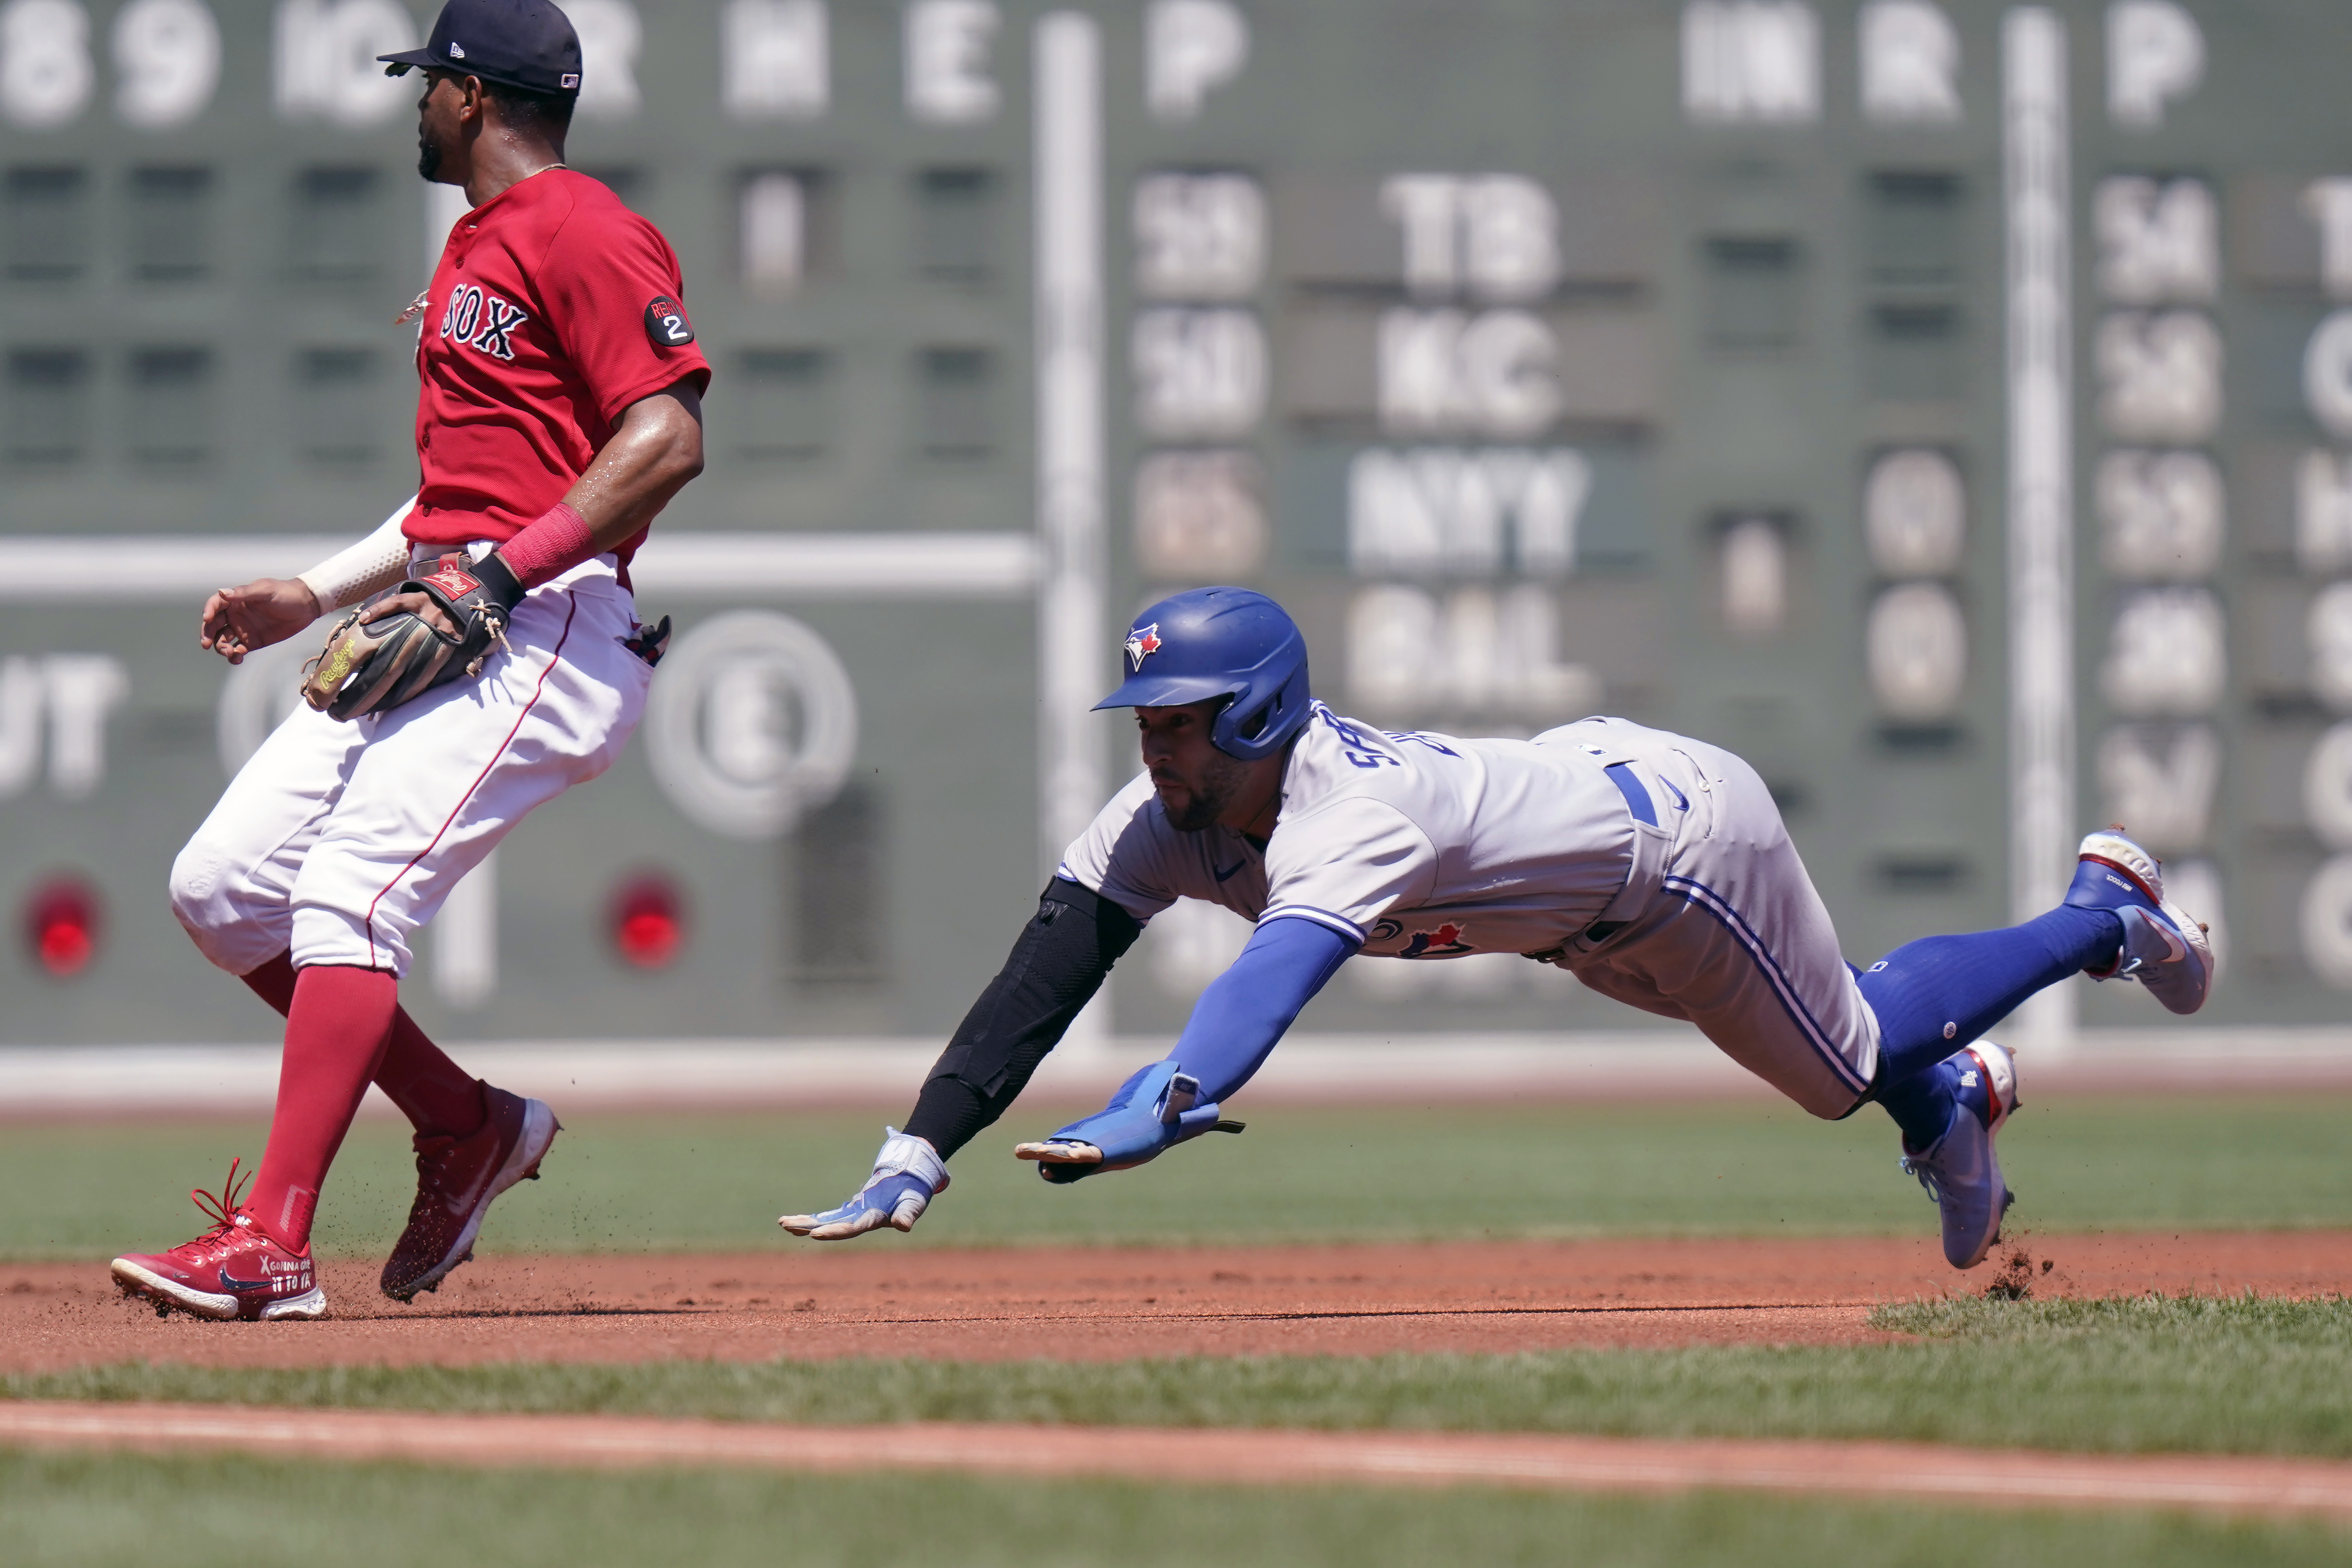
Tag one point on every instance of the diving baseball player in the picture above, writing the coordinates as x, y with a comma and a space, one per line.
559, 411
1653, 867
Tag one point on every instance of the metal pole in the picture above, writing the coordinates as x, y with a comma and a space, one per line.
2040, 485
1072, 669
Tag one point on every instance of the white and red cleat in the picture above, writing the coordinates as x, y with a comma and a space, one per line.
457, 1180
2165, 950
234, 1270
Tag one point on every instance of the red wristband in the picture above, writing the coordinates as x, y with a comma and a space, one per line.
550, 547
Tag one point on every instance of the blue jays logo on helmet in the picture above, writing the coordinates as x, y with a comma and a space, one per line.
1141, 644
1230, 643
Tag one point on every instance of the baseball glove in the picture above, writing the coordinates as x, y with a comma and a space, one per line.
376, 665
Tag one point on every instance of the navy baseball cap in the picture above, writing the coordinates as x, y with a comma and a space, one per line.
526, 44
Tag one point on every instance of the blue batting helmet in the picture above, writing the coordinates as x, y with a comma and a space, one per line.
1221, 642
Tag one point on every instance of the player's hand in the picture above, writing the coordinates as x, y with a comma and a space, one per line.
908, 1175
239, 621
1153, 1111
419, 604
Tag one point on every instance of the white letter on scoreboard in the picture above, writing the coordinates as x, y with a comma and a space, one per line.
2328, 203
1198, 236
2158, 243
1189, 47
326, 60
2323, 512
947, 61
2328, 923
2154, 54
2160, 515
83, 688
2327, 375
167, 60
1747, 61
774, 59
2161, 782
1910, 64
2167, 655
1424, 205
2160, 374
45, 68
2327, 788
1198, 372
2327, 632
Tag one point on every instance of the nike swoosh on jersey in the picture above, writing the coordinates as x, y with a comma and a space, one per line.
1227, 874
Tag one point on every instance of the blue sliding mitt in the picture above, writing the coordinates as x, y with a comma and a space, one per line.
1151, 1113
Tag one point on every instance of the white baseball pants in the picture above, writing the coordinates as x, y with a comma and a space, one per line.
1722, 927
340, 839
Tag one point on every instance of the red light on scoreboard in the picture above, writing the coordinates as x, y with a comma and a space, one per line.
61, 926
648, 921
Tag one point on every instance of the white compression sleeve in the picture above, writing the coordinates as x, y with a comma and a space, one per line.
375, 564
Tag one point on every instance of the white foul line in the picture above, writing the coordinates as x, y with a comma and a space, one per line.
1985, 1477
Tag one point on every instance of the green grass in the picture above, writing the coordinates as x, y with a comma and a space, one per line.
651, 1182
74, 1509
2151, 1375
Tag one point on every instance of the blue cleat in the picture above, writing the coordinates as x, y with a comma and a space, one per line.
2164, 948
908, 1175
1960, 1170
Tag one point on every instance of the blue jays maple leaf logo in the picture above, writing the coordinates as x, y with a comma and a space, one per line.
1141, 644
1442, 942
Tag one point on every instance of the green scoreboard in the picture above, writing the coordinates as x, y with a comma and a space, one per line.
1947, 406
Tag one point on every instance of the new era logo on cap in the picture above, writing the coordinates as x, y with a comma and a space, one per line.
456, 50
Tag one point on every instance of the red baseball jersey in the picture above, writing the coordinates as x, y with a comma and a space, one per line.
554, 308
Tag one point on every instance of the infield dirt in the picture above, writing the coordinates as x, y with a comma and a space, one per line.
864, 1298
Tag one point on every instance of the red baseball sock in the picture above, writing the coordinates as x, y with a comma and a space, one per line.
434, 1093
335, 1034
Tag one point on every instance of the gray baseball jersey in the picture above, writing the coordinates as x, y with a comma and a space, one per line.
1653, 867
1415, 845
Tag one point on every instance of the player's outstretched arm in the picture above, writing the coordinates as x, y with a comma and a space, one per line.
1054, 970
1233, 1027
243, 620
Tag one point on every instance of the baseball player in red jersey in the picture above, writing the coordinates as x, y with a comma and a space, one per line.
561, 410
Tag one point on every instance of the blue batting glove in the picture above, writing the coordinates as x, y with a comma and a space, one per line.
1153, 1111
908, 1175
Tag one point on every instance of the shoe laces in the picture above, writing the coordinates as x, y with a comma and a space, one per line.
1929, 1177
220, 1209
433, 1162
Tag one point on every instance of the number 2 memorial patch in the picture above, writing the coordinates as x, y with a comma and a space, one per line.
665, 323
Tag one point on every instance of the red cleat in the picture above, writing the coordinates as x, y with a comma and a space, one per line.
234, 1270
456, 1179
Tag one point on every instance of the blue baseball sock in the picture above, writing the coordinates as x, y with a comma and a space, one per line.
1935, 995
1923, 1104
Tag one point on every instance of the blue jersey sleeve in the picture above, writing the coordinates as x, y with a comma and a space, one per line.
1242, 1014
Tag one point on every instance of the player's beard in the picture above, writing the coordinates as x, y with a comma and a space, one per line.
1206, 798
428, 153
